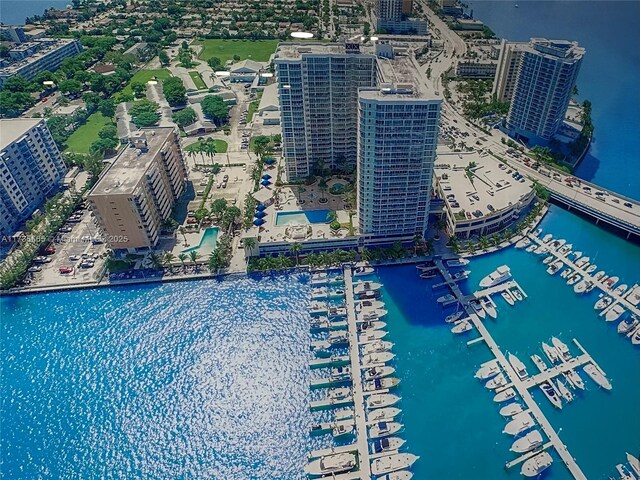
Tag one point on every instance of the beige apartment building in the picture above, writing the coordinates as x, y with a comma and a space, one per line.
137, 193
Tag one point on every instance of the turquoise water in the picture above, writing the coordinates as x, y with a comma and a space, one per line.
207, 241
302, 217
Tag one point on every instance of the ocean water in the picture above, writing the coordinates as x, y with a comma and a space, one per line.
608, 30
14, 12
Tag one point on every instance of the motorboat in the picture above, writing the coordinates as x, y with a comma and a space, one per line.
615, 313
548, 259
336, 312
461, 327
340, 374
392, 463
635, 338
537, 232
592, 268
530, 441
387, 444
582, 262
523, 242
517, 294
634, 462
557, 244
319, 276
582, 286
505, 395
565, 249
518, 366
600, 275
428, 275
488, 307
377, 358
371, 336
551, 353
477, 308
362, 305
381, 400
536, 465
507, 297
463, 275
331, 464
339, 337
597, 376
326, 280
574, 379
541, 249
454, 316
531, 248
576, 255
496, 382
537, 360
561, 347
620, 289
384, 429
323, 293
318, 308
499, 275
360, 287
388, 413
551, 393
547, 238
590, 286
381, 384
610, 282
343, 414
370, 325
367, 295
573, 279
488, 370
426, 266
629, 325
370, 314
399, 475
624, 472
603, 303
564, 391
378, 372
458, 262
339, 393
520, 423
511, 409
342, 430
377, 346
362, 271
446, 298
554, 267
566, 272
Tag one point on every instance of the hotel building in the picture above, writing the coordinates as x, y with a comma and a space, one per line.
544, 85
31, 168
137, 193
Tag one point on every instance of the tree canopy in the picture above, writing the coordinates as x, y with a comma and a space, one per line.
215, 109
174, 91
185, 117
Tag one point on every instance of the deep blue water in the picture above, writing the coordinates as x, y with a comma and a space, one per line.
608, 77
14, 12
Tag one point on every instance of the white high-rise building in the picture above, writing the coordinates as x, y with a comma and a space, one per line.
546, 77
31, 167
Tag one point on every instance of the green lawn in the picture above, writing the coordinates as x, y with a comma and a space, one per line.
197, 79
83, 137
258, 50
144, 76
221, 146
253, 106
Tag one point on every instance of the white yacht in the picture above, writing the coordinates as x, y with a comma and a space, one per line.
367, 295
573, 279
554, 267
536, 465
547, 238
635, 338
360, 287
551, 394
336, 312
611, 281
562, 348
496, 382
499, 275
531, 248
620, 289
615, 313
488, 370
576, 255
541, 249
592, 268
582, 285
370, 314
392, 463
458, 262
377, 358
454, 316
520, 423
339, 393
378, 372
381, 400
477, 308
627, 326
551, 353
319, 276
388, 413
381, 384
387, 444
624, 472
511, 409
505, 395
338, 337
564, 391
371, 336
342, 430
530, 441
362, 305
399, 475
343, 414
377, 346
574, 379
488, 307
361, 271
384, 429
340, 374
597, 376
461, 327
523, 242
517, 294
603, 303
518, 366
370, 325
548, 259
445, 298
537, 360
635, 463
600, 275
582, 262
331, 464
566, 272
507, 297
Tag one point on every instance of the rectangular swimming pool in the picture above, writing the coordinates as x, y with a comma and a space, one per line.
302, 217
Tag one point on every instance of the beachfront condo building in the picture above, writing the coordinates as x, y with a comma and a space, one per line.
318, 91
31, 168
137, 193
394, 16
506, 74
544, 85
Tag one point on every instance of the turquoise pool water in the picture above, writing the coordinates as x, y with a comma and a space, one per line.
302, 217
207, 241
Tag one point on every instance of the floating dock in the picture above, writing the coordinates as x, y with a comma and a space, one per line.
335, 361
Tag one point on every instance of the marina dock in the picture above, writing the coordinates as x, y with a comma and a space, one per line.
518, 384
335, 361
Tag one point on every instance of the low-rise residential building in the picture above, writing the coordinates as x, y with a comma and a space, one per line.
476, 69
140, 188
31, 168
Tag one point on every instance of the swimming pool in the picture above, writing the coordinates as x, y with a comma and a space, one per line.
207, 241
302, 217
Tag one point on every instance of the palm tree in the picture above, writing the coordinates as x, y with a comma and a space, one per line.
495, 238
168, 259
182, 257
155, 260
183, 233
322, 185
296, 248
249, 244
194, 256
484, 242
